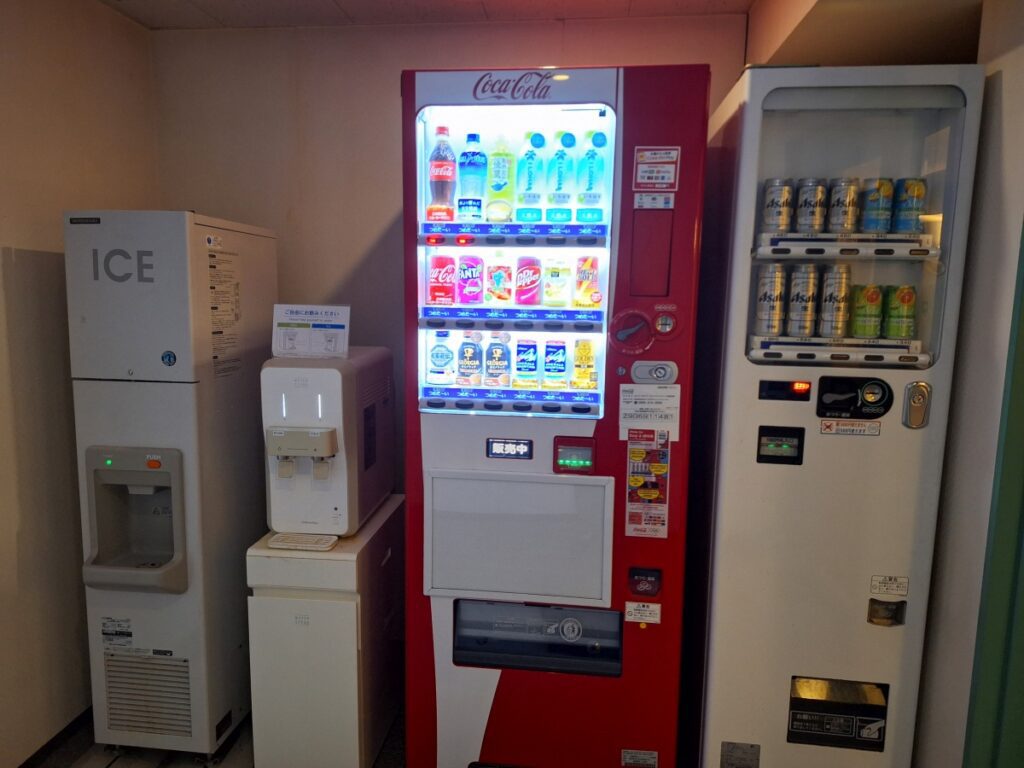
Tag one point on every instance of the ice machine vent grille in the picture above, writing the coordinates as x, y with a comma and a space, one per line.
148, 694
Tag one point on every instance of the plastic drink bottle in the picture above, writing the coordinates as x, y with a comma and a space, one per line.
472, 179
441, 175
561, 179
590, 181
530, 179
501, 191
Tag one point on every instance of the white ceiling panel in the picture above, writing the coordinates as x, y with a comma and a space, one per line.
165, 14
412, 11
520, 10
210, 14
274, 13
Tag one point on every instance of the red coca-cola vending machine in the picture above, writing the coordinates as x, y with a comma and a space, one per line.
552, 221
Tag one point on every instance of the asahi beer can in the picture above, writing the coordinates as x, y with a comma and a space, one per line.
811, 205
900, 312
842, 206
770, 308
803, 301
866, 318
875, 205
834, 318
909, 205
777, 210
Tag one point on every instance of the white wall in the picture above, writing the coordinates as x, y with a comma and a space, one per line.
77, 130
992, 257
300, 131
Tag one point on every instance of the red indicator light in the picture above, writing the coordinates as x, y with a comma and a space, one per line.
465, 239
800, 387
435, 239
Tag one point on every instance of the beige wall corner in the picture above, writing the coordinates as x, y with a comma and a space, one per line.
769, 25
78, 130
986, 315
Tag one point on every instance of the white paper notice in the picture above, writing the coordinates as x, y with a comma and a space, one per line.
310, 331
649, 406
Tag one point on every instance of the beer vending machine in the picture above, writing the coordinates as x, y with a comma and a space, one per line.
850, 192
552, 229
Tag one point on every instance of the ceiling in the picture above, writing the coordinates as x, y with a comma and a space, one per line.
219, 14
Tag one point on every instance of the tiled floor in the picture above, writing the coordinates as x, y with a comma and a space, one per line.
76, 750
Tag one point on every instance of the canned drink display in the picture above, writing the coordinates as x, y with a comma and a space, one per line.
469, 287
842, 205
557, 284
525, 373
555, 367
811, 205
876, 205
497, 361
440, 359
900, 312
441, 280
777, 209
866, 317
587, 291
470, 363
803, 301
584, 368
498, 284
770, 312
909, 205
528, 281
834, 318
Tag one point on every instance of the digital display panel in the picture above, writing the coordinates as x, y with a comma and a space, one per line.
779, 446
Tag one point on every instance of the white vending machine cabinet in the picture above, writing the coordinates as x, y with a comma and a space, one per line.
170, 318
850, 193
329, 427
326, 659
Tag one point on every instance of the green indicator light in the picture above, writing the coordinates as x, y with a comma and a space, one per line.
109, 462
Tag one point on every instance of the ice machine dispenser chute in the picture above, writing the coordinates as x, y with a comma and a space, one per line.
137, 520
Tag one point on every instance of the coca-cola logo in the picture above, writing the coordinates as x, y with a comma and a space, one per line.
527, 278
442, 170
526, 87
443, 275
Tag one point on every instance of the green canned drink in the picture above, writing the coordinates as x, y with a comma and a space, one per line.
866, 319
900, 312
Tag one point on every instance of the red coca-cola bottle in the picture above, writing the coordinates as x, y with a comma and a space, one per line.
441, 174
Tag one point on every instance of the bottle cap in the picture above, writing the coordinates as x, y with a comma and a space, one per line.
473, 137
568, 140
537, 140
599, 139
442, 130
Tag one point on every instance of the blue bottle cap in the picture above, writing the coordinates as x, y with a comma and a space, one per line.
473, 137
568, 140
537, 140
599, 139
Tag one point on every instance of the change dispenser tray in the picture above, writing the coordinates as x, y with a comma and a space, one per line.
136, 519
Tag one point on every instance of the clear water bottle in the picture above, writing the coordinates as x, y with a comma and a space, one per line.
530, 179
472, 180
561, 180
590, 194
